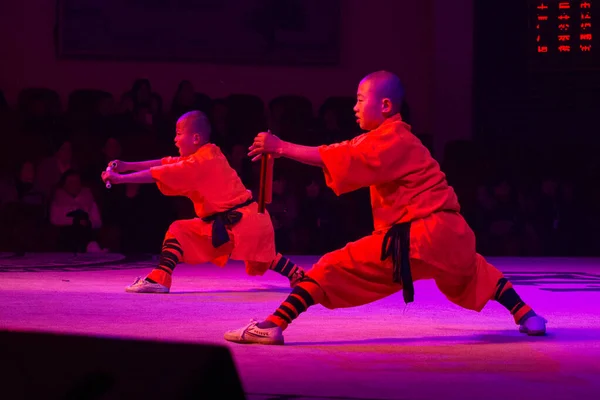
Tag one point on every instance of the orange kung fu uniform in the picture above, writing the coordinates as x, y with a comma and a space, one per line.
406, 186
208, 180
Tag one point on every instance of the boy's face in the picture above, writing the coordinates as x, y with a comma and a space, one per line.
192, 131
186, 141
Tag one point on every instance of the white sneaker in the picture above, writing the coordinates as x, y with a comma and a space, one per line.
143, 286
251, 334
534, 326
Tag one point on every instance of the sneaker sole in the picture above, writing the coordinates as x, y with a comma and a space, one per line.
265, 343
533, 333
258, 343
145, 291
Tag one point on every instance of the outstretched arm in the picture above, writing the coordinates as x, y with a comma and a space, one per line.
142, 165
135, 177
267, 143
305, 154
123, 166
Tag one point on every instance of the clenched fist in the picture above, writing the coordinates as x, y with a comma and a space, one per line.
265, 143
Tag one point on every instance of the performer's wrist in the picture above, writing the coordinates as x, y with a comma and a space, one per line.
283, 149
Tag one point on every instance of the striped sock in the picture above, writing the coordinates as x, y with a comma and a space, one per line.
286, 267
304, 295
169, 258
508, 297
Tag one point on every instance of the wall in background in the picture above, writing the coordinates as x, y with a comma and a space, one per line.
426, 42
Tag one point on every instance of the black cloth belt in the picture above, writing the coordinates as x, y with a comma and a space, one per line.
396, 243
223, 219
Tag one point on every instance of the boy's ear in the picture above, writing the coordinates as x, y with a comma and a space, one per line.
386, 105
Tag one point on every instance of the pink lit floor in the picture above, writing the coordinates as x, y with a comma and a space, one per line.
432, 349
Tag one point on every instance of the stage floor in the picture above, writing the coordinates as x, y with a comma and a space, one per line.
430, 350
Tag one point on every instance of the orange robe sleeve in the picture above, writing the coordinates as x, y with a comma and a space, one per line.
173, 178
169, 160
205, 178
370, 159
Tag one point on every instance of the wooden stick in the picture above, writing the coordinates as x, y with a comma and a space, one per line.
269, 179
265, 193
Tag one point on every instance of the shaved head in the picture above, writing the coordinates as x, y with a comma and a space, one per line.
386, 85
195, 122
192, 132
380, 96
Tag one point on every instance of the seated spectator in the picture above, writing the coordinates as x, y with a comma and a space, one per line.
184, 99
500, 220
283, 211
74, 211
21, 188
318, 220
52, 168
22, 211
111, 150
141, 93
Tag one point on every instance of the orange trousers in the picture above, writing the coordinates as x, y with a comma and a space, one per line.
252, 240
442, 247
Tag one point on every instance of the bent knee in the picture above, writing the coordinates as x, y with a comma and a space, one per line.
182, 226
177, 225
256, 268
174, 228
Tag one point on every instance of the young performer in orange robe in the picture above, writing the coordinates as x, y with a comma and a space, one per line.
228, 224
419, 231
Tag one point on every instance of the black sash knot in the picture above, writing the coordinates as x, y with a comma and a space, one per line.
396, 243
222, 220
